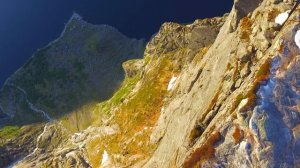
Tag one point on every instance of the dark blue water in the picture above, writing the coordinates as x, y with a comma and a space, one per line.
26, 25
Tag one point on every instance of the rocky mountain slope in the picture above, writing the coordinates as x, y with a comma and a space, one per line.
70, 73
67, 77
221, 92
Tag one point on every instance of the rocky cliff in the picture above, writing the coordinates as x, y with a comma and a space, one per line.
220, 92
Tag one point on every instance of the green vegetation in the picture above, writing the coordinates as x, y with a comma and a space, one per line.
79, 67
118, 97
71, 25
40, 77
140, 111
92, 43
8, 132
147, 59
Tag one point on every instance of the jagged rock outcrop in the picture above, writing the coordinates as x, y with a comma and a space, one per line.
221, 92
233, 116
13, 149
134, 109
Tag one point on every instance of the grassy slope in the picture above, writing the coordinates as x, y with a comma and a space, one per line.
135, 116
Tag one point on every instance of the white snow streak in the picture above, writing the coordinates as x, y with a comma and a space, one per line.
105, 159
172, 83
297, 38
282, 17
242, 104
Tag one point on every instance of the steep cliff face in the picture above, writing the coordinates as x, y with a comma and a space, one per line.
242, 109
120, 133
221, 92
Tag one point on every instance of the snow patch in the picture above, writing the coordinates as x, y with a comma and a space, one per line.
71, 154
172, 83
105, 159
243, 103
282, 17
297, 38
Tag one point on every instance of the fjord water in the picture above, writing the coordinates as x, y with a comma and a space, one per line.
26, 25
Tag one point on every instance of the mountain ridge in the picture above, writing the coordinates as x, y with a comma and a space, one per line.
220, 92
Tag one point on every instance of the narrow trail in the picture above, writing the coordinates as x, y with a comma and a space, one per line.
31, 106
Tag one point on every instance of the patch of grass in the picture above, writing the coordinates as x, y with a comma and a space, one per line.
141, 110
40, 77
71, 25
8, 132
79, 67
92, 43
147, 59
200, 55
127, 86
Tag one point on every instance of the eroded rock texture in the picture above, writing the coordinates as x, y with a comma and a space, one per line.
221, 92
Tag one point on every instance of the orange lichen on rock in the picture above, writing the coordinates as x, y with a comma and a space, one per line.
273, 14
238, 135
262, 75
246, 29
204, 153
281, 48
139, 114
264, 71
